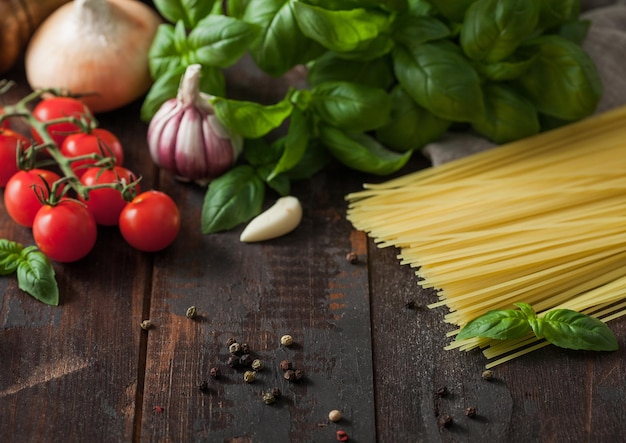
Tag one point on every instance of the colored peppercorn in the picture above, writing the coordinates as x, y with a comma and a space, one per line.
249, 376
192, 312
286, 340
334, 415
257, 364
342, 435
215, 372
269, 398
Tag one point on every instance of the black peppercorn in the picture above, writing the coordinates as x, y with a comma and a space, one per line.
230, 341
276, 393
470, 412
233, 361
352, 258
445, 421
215, 372
203, 386
290, 375
442, 391
298, 375
245, 348
245, 360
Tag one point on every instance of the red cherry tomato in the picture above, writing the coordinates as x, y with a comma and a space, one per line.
60, 107
65, 232
20, 198
106, 204
150, 222
9, 141
99, 141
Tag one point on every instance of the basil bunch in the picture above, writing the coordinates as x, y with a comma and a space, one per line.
385, 77
561, 327
35, 274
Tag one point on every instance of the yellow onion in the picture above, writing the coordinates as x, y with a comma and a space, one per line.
94, 47
186, 138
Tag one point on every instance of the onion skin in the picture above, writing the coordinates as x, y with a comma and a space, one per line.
94, 48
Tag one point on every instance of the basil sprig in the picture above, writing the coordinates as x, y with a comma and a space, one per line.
561, 327
35, 274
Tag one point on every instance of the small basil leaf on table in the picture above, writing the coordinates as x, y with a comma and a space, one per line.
10, 256
500, 325
572, 330
233, 198
35, 275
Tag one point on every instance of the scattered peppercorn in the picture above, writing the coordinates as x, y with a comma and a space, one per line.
298, 375
146, 324
442, 391
215, 372
257, 364
249, 376
158, 409
487, 375
352, 258
335, 415
230, 341
234, 348
342, 435
203, 386
268, 398
286, 340
276, 392
290, 375
445, 421
470, 412
192, 312
245, 348
233, 361
245, 360
285, 365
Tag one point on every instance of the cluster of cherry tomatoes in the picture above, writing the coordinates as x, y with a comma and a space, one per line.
65, 221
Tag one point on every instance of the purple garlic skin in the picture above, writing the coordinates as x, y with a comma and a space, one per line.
186, 138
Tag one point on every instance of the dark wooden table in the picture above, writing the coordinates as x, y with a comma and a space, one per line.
368, 344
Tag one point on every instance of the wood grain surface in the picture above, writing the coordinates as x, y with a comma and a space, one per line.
367, 342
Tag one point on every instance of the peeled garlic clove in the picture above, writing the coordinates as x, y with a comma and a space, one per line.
283, 217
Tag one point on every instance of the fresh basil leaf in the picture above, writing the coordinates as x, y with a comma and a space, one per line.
572, 330
563, 81
351, 106
235, 8
163, 55
493, 29
220, 41
410, 126
452, 10
574, 30
281, 183
377, 73
411, 30
498, 324
35, 275
555, 12
166, 87
439, 78
282, 45
251, 119
340, 30
315, 158
505, 69
233, 198
508, 115
10, 256
295, 143
258, 152
361, 152
189, 11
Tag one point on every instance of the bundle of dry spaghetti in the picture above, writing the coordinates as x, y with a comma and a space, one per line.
540, 220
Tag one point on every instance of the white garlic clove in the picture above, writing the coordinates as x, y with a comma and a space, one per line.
280, 219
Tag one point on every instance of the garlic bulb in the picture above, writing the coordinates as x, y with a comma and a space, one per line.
94, 47
186, 138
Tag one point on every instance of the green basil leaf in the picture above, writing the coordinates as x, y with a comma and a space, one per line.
189, 11
377, 73
411, 30
493, 29
351, 106
563, 81
340, 30
220, 41
166, 87
439, 78
235, 8
574, 30
35, 275
282, 44
361, 152
453, 10
296, 142
572, 330
505, 69
555, 12
233, 198
10, 256
281, 183
315, 158
410, 126
498, 324
508, 115
258, 152
251, 119
163, 55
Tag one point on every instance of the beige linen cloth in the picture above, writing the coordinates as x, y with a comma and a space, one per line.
605, 44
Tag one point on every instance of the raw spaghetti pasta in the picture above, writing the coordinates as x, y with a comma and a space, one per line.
541, 220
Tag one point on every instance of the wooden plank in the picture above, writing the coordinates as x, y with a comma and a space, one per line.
300, 284
72, 373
